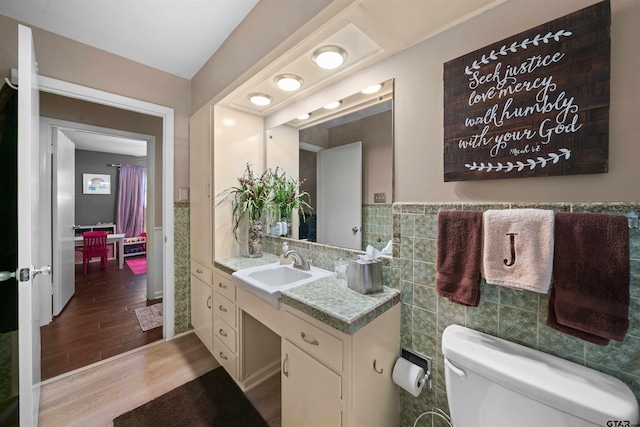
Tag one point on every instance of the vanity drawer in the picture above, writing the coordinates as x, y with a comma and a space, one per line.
201, 272
224, 286
225, 309
224, 356
224, 333
314, 341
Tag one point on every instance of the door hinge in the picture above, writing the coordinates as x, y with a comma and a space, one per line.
341, 405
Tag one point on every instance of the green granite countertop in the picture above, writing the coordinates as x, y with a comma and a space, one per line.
329, 299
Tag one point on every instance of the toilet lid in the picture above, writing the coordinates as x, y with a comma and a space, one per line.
556, 382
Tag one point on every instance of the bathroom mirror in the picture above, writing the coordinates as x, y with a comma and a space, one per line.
344, 157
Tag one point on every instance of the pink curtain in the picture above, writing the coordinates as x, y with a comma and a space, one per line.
131, 194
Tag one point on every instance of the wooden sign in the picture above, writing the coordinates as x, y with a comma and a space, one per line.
535, 104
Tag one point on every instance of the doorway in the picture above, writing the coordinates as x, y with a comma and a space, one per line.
164, 204
95, 314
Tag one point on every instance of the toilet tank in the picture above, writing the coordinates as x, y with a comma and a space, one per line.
493, 382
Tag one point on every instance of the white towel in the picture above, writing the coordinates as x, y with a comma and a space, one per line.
518, 248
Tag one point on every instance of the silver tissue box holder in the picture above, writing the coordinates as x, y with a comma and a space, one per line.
364, 276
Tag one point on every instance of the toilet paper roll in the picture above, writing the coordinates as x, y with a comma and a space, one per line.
408, 376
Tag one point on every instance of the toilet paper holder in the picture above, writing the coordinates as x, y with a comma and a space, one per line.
421, 360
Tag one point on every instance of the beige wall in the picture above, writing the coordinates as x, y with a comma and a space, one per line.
75, 110
377, 153
67, 60
375, 134
419, 110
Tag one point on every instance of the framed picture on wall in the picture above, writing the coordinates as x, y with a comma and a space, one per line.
93, 183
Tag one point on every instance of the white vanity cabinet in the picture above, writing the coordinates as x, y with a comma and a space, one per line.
330, 378
225, 323
202, 303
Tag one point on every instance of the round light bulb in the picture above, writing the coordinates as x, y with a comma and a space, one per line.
288, 82
372, 89
329, 57
260, 99
332, 105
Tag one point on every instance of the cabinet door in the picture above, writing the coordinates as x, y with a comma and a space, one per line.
201, 313
311, 392
200, 186
376, 401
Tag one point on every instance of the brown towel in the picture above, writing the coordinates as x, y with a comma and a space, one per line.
552, 322
459, 247
591, 275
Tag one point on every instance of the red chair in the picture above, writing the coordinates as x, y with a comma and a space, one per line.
144, 236
95, 246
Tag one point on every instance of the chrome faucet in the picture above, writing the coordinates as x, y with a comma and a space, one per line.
298, 261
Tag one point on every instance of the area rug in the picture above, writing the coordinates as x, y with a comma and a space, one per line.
150, 317
213, 399
137, 265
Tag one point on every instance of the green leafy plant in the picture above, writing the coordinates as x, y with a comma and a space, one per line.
251, 197
287, 195
272, 191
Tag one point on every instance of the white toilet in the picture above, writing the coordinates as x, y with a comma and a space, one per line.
492, 382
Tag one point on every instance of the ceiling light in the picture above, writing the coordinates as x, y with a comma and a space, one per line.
304, 116
260, 99
332, 105
288, 82
372, 89
329, 57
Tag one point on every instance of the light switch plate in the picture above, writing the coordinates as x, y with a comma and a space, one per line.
379, 197
183, 195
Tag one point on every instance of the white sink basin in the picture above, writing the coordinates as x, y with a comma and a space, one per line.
268, 281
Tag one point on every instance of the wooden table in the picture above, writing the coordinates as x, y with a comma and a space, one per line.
111, 238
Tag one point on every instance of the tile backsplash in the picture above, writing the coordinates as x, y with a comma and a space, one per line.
518, 316
182, 266
377, 225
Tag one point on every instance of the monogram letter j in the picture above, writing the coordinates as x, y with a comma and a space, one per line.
512, 240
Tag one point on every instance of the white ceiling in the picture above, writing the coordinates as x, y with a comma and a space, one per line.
176, 36
91, 141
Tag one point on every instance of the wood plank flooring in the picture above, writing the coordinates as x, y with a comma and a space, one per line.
94, 397
98, 322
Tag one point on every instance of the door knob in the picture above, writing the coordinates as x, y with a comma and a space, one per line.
355, 230
6, 275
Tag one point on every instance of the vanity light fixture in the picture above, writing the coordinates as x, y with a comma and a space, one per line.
371, 89
288, 82
304, 116
260, 99
332, 105
329, 57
